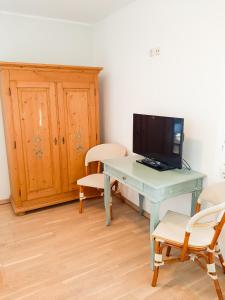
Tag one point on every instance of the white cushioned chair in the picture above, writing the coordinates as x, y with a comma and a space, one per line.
98, 154
196, 237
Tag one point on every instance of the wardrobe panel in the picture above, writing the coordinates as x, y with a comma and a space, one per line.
37, 136
78, 126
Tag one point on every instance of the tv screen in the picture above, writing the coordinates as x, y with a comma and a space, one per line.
159, 138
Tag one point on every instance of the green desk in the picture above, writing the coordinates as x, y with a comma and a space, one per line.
151, 185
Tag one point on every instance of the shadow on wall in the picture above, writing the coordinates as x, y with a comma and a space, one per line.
193, 153
104, 106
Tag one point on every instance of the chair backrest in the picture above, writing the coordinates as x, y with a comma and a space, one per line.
208, 218
214, 194
104, 151
212, 217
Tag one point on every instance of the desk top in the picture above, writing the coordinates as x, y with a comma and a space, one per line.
156, 179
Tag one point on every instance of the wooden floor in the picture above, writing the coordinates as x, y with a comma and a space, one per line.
56, 253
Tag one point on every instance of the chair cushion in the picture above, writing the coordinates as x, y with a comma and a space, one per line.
172, 229
94, 180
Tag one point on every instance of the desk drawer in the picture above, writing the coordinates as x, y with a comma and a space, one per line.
180, 189
123, 178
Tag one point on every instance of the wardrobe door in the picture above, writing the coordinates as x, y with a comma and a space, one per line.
36, 128
78, 126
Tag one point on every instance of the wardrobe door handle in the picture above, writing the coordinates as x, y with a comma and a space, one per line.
63, 140
55, 141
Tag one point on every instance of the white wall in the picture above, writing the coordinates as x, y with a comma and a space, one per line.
42, 40
186, 80
39, 40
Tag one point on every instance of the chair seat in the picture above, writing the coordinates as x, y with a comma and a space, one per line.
172, 229
94, 180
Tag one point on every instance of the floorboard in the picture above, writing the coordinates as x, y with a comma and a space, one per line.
56, 253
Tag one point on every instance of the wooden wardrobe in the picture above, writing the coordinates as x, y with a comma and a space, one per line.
51, 119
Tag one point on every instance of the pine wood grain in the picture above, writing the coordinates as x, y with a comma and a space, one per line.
50, 114
22, 66
56, 253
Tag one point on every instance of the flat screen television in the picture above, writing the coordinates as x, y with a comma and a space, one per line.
159, 140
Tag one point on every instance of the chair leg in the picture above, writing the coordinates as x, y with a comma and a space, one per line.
116, 186
158, 262
111, 209
111, 212
220, 256
212, 273
222, 262
168, 250
218, 290
81, 195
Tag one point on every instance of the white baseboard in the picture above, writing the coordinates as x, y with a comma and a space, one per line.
133, 205
4, 201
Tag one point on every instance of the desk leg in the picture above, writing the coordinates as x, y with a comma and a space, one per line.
194, 199
154, 221
107, 197
141, 201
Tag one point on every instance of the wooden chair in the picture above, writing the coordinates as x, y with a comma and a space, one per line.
196, 237
98, 154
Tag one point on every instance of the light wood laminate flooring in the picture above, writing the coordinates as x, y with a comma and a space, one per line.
56, 253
